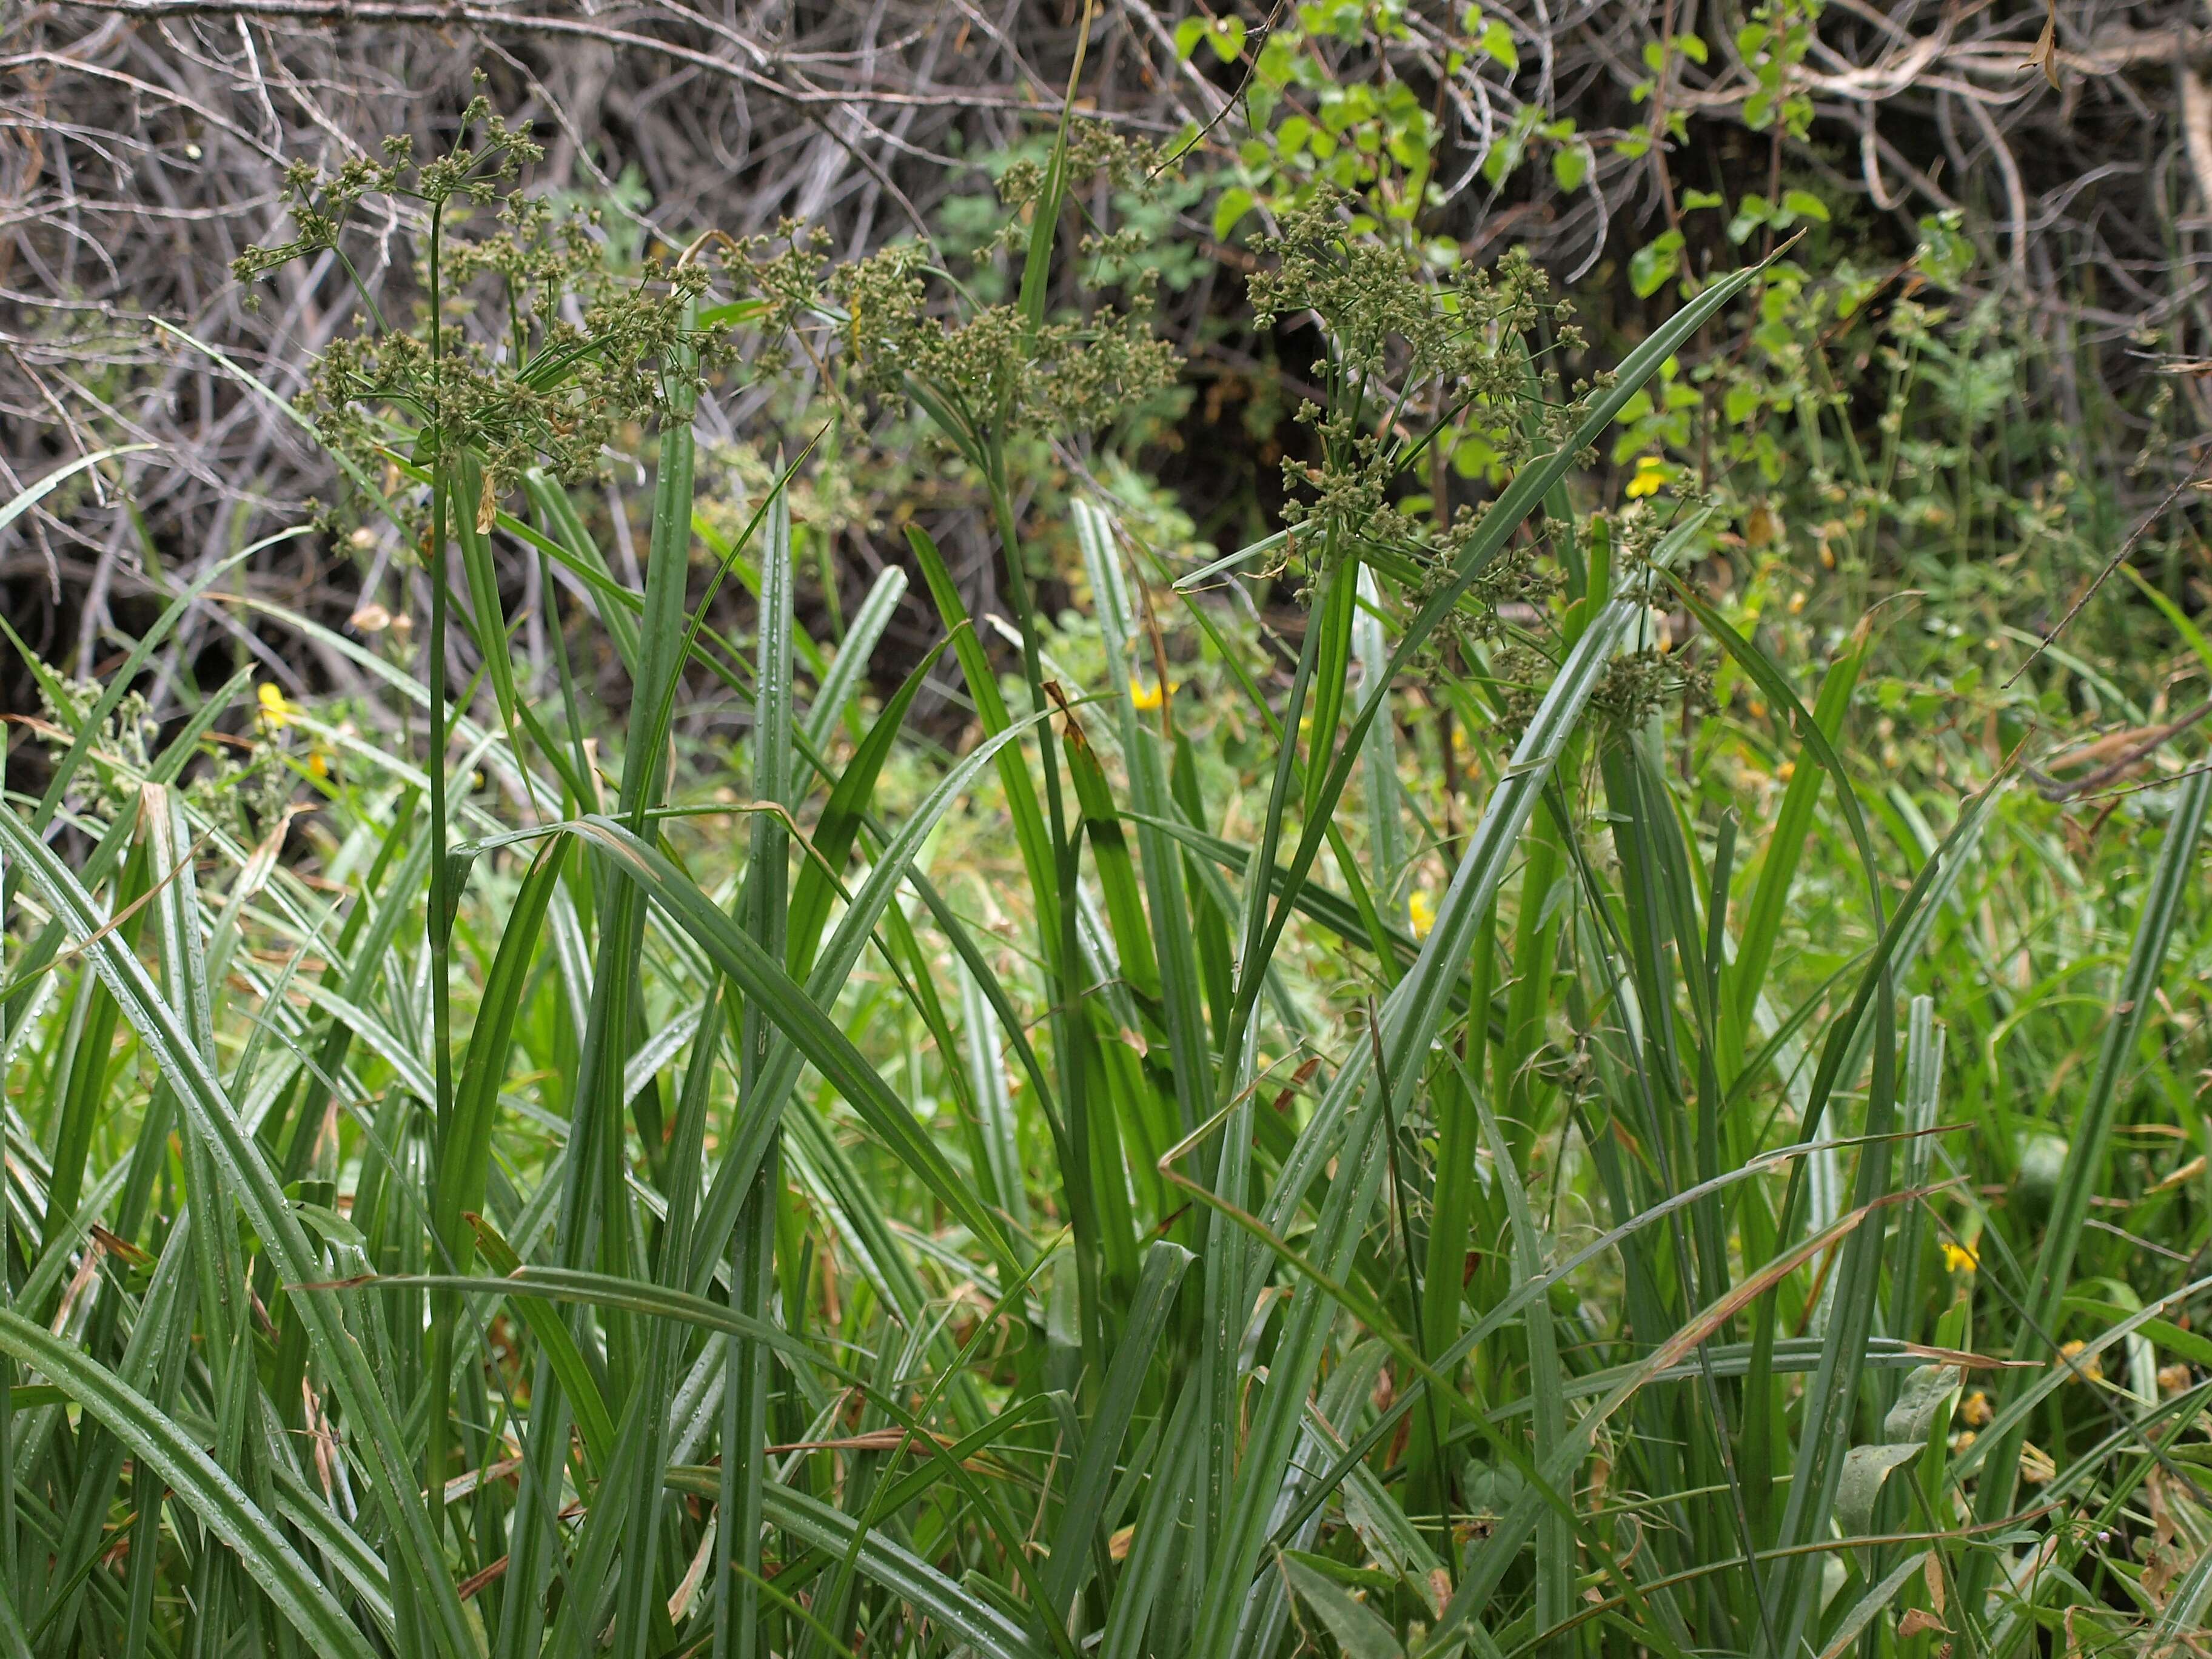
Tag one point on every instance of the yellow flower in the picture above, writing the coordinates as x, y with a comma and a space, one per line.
1974, 1409
277, 714
1650, 474
1421, 912
1148, 697
2091, 1369
1958, 1257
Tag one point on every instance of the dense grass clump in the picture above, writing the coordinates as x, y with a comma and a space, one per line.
1473, 1112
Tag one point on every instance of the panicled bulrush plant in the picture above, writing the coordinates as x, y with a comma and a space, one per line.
527, 355
1339, 1229
985, 375
1415, 363
526, 348
1422, 368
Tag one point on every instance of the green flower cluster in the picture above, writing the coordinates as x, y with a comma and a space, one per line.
1637, 684
1413, 360
566, 351
992, 367
990, 373
242, 784
322, 204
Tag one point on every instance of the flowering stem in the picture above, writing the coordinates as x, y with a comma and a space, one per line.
442, 492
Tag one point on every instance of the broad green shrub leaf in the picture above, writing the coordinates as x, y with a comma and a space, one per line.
1234, 203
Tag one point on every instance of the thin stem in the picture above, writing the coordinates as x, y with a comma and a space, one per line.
435, 1453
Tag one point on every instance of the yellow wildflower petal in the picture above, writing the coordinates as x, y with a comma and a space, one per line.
275, 711
1421, 912
1650, 473
1144, 697
2069, 1355
1959, 1257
